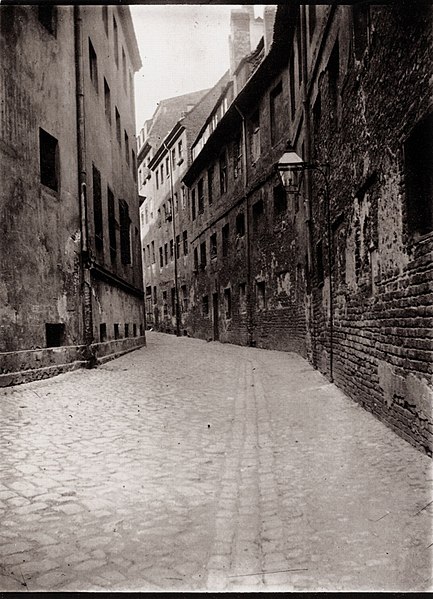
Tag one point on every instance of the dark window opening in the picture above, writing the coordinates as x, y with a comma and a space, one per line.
311, 19
203, 259
319, 262
205, 305
47, 16
134, 165
225, 239
193, 213
185, 243
126, 148
93, 65
124, 69
166, 253
118, 126
418, 158
161, 257
177, 246
97, 208
213, 246
116, 331
261, 295
240, 224
105, 17
102, 332
223, 172
280, 199
173, 300
55, 334
116, 42
125, 224
171, 249
48, 159
200, 193
107, 100
184, 298
276, 111
155, 295
258, 210
164, 303
126, 330
134, 330
228, 303
111, 225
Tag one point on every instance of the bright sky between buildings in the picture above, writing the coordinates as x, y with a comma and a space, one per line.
184, 48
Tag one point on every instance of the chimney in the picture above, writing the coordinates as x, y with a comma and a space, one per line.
239, 39
269, 19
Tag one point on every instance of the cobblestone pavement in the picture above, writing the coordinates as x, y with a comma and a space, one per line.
189, 465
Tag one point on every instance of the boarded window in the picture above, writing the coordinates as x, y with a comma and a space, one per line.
93, 65
48, 160
97, 208
418, 162
125, 240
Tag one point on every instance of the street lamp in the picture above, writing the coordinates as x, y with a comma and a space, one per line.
289, 168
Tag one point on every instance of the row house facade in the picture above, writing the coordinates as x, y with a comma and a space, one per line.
71, 272
339, 267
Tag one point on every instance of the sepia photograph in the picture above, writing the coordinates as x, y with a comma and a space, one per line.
216, 297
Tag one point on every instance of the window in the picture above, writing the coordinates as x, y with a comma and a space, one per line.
118, 127
225, 238
183, 197
126, 147
184, 298
152, 245
124, 69
47, 16
171, 249
166, 253
97, 208
107, 100
205, 305
276, 96
240, 224
173, 300
280, 199
116, 331
111, 225
200, 193
333, 76
311, 19
134, 330
237, 158
54, 334
161, 258
255, 137
126, 330
261, 295
49, 160
223, 172
418, 161
134, 165
258, 210
105, 17
179, 152
149, 257
185, 243
203, 260
173, 158
162, 173
361, 28
210, 184
167, 166
157, 180
195, 259
242, 298
155, 295
177, 246
193, 204
213, 246
93, 66
228, 303
292, 88
102, 332
319, 262
116, 42
125, 238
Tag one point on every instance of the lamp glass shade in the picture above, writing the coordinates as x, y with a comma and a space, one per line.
290, 160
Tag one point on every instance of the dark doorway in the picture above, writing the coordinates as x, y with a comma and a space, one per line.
216, 333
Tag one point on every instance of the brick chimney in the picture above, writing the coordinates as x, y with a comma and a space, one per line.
239, 39
269, 20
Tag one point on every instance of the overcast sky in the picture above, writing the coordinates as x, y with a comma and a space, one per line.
184, 48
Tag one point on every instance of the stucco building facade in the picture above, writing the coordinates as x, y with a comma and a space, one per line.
71, 275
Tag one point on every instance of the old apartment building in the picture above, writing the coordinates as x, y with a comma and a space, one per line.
334, 260
71, 273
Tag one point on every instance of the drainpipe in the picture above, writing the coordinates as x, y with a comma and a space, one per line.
173, 226
250, 322
82, 186
308, 190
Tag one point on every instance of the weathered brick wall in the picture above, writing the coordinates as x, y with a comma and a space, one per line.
383, 280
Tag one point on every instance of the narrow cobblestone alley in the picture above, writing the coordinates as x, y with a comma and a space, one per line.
189, 465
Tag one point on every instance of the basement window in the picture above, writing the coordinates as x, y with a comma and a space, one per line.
55, 334
418, 160
49, 160
102, 332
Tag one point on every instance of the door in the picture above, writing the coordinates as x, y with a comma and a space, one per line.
215, 310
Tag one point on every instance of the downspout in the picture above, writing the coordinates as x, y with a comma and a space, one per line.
250, 322
82, 186
308, 190
173, 226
